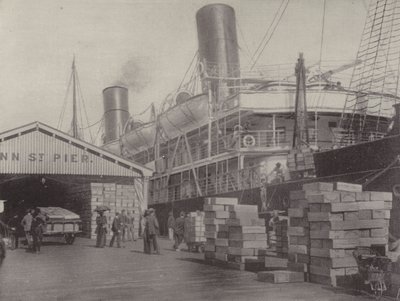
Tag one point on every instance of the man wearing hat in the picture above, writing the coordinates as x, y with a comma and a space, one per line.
179, 230
116, 229
101, 229
152, 229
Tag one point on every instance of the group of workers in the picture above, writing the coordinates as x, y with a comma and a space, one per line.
122, 227
33, 226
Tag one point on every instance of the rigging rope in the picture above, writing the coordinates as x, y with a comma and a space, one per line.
61, 117
84, 105
248, 52
322, 39
272, 33
268, 29
187, 70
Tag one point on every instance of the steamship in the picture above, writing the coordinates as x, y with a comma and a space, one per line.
224, 131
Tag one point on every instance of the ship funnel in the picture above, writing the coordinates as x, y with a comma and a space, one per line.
218, 48
116, 112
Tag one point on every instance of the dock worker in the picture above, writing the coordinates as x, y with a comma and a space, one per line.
171, 226
153, 230
278, 174
14, 225
179, 230
124, 221
26, 223
116, 229
101, 229
146, 244
37, 229
130, 227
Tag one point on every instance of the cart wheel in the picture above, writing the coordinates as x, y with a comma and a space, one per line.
200, 249
69, 238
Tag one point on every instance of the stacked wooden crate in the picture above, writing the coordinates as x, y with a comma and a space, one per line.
341, 221
247, 236
300, 160
298, 232
117, 198
196, 228
234, 233
216, 212
282, 244
374, 217
77, 198
340, 217
333, 217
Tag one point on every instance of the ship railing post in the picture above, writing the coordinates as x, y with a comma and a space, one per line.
273, 130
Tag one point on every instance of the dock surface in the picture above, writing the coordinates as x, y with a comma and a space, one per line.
83, 272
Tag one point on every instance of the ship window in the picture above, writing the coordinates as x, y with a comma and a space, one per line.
280, 134
332, 124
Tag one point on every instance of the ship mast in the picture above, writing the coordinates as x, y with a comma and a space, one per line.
376, 79
74, 124
300, 134
76, 128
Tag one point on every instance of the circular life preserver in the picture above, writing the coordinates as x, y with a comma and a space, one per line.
396, 190
249, 140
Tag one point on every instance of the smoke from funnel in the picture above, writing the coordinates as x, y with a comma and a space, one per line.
135, 74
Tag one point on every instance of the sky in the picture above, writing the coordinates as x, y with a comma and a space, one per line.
154, 39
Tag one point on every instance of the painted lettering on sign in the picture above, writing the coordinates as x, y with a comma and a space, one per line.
42, 157
7, 156
73, 158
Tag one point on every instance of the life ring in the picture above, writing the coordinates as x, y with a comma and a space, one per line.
249, 140
396, 190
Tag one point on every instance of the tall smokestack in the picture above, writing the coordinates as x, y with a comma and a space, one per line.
116, 112
218, 46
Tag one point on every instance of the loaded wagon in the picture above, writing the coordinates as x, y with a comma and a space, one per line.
61, 222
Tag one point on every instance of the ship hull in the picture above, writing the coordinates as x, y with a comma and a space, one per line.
354, 164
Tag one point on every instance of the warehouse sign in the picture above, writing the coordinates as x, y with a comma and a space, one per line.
40, 149
43, 157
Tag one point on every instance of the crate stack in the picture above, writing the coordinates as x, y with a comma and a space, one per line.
341, 217
340, 221
282, 243
216, 212
300, 160
234, 233
117, 198
247, 236
196, 228
334, 234
298, 232
374, 217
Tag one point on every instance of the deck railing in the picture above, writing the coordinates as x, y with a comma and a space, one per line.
263, 139
214, 184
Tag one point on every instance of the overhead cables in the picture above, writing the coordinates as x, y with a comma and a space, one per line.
61, 118
268, 35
